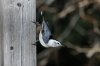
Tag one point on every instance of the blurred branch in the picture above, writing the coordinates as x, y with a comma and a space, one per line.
87, 17
44, 53
90, 19
88, 51
48, 9
41, 2
73, 6
42, 57
97, 30
44, 6
68, 8
69, 28
66, 11
80, 30
77, 48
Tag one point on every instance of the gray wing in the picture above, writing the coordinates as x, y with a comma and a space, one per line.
46, 32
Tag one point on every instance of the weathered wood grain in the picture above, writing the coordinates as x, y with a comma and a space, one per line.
1, 35
19, 33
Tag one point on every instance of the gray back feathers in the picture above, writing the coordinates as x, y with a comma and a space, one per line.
46, 31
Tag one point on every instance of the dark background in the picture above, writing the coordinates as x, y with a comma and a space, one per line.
76, 25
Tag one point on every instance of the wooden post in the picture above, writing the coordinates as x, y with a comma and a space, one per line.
1, 36
18, 32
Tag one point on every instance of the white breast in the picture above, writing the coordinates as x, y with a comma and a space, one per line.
41, 40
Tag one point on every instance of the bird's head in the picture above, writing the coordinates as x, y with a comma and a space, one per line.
54, 43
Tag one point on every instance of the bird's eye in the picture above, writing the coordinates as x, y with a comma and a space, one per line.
58, 43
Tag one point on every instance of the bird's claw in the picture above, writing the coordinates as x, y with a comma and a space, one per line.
35, 42
37, 23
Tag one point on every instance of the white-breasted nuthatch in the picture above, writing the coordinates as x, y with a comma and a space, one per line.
45, 36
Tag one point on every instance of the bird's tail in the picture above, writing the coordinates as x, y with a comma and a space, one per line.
43, 20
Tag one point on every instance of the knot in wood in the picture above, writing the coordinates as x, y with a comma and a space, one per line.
19, 4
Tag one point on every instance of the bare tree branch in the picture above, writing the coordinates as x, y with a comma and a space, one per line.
73, 6
88, 51
90, 19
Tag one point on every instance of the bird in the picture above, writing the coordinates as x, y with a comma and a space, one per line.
46, 37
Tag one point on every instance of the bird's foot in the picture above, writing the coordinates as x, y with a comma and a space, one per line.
37, 23
35, 42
